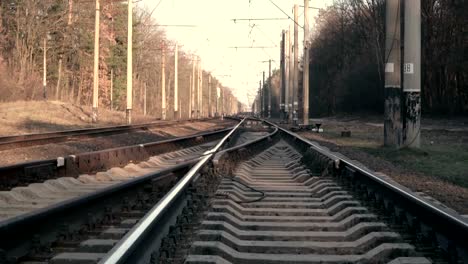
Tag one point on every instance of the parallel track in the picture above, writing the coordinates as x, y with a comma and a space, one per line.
21, 200
22, 174
277, 198
56, 210
19, 141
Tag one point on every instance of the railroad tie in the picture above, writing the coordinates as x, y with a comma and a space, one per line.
274, 210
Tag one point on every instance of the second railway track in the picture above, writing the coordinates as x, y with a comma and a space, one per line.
19, 141
262, 196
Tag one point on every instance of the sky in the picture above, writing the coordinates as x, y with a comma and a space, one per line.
215, 34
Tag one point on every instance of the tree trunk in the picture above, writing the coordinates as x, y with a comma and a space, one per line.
57, 88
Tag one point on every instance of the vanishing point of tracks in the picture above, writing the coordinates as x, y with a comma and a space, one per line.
254, 194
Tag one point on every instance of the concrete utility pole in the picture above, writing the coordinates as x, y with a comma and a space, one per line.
94, 116
44, 76
260, 98
270, 89
218, 94
283, 74
198, 88
287, 81
209, 96
264, 110
130, 63
412, 74
176, 81
192, 98
222, 104
291, 74
296, 62
163, 83
201, 92
305, 83
392, 123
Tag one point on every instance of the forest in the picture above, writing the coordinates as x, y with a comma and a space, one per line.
347, 58
59, 34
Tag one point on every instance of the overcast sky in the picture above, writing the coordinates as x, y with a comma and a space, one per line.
216, 32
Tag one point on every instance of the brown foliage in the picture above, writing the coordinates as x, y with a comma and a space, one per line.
68, 28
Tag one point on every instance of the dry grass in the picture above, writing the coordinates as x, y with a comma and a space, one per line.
443, 153
24, 117
439, 168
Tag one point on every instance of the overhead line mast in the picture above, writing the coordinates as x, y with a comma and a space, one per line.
130, 63
305, 83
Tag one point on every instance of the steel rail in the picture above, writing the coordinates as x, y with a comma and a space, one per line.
218, 155
449, 218
17, 233
21, 173
16, 141
28, 219
129, 242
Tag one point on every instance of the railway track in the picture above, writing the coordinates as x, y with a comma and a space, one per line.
19, 141
25, 173
80, 203
274, 210
255, 197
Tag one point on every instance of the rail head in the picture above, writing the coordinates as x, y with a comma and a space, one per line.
129, 242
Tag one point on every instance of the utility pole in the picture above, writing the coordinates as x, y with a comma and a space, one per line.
222, 104
412, 74
163, 83
305, 84
209, 96
130, 63
291, 75
296, 62
264, 110
287, 59
200, 103
176, 81
283, 74
192, 98
392, 91
260, 98
217, 100
270, 89
198, 88
44, 76
94, 116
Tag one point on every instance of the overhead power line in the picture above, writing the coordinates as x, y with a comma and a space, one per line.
258, 19
289, 17
252, 47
